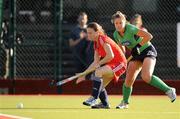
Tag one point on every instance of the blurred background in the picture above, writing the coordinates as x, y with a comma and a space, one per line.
34, 44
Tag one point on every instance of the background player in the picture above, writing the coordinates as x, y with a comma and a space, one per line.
137, 21
81, 47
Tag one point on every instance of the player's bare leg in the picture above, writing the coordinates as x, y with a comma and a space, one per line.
147, 76
133, 70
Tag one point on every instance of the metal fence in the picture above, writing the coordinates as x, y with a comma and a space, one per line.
33, 28
35, 57
160, 17
39, 21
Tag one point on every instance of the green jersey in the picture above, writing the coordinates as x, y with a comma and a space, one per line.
130, 39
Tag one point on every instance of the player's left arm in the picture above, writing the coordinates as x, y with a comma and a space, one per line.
145, 35
109, 54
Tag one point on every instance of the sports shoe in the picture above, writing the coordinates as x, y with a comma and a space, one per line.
90, 101
101, 106
122, 105
171, 94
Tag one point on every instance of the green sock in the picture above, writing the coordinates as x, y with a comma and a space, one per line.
126, 93
158, 83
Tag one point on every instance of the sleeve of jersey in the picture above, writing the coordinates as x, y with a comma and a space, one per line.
133, 29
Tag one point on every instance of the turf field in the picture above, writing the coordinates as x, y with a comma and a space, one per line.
70, 107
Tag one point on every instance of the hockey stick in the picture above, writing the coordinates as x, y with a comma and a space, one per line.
59, 83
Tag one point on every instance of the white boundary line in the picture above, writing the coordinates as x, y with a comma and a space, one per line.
12, 116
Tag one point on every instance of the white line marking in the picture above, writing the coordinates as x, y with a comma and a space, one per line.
11, 116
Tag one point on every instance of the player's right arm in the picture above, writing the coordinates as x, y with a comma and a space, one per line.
95, 62
122, 48
93, 65
118, 42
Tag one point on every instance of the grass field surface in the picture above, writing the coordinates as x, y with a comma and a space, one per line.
70, 107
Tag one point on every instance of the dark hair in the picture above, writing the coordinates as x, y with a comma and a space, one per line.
118, 14
135, 17
96, 27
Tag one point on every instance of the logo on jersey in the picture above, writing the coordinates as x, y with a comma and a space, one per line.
151, 53
126, 43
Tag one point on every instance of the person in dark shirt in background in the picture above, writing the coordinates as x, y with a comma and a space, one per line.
81, 47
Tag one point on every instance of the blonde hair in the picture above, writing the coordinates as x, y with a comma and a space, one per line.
96, 27
118, 14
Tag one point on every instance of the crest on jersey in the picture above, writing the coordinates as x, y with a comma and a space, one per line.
126, 43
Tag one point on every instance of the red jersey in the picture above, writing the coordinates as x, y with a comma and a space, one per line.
118, 54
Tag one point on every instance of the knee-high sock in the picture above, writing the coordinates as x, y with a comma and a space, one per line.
126, 93
97, 87
104, 97
158, 83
